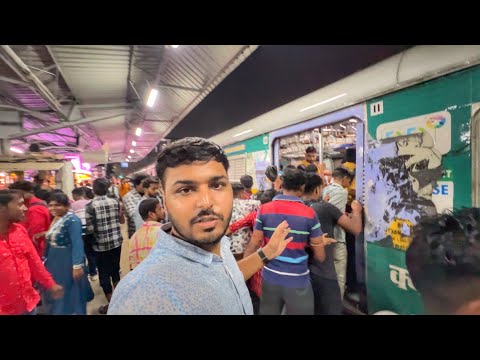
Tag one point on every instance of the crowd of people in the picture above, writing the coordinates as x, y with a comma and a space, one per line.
199, 244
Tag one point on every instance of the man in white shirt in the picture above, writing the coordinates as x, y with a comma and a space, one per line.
336, 194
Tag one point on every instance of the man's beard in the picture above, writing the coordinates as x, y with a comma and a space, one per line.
208, 243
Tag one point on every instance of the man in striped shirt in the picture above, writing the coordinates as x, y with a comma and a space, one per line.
286, 279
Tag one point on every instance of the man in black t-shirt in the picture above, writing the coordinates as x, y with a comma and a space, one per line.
324, 278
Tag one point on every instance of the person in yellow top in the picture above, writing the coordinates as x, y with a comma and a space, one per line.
124, 187
311, 155
143, 239
349, 164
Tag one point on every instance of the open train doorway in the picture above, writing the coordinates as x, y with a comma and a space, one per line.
338, 139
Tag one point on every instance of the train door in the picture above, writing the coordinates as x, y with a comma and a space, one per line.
331, 135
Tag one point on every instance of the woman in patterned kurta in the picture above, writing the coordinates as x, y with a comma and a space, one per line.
66, 259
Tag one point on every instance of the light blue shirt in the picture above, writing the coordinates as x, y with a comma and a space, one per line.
178, 278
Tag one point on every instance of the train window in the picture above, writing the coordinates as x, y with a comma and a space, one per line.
476, 158
238, 167
331, 141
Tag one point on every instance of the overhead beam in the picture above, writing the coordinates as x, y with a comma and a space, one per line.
109, 106
155, 120
169, 86
45, 70
33, 113
16, 82
40, 87
69, 124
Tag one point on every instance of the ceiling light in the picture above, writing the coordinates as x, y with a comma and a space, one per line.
138, 132
354, 121
174, 46
323, 102
131, 151
243, 132
134, 143
15, 150
152, 97
129, 156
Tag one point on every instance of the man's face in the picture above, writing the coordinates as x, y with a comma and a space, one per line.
159, 213
16, 209
311, 157
140, 189
198, 199
152, 191
346, 181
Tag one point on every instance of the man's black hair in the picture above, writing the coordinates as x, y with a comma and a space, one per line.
311, 149
188, 150
313, 181
341, 172
443, 260
6, 196
60, 198
237, 189
100, 186
22, 185
79, 192
149, 181
266, 196
311, 168
137, 180
293, 180
146, 206
246, 181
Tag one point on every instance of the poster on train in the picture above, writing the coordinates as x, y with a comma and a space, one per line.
405, 180
405, 177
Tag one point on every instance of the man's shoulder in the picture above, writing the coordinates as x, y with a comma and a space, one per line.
322, 207
149, 289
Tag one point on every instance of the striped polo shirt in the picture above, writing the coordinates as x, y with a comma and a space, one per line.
290, 269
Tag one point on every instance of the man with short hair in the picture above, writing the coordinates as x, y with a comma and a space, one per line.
37, 219
78, 207
190, 269
311, 155
103, 219
20, 265
286, 279
247, 182
132, 199
338, 196
151, 190
143, 240
443, 261
324, 278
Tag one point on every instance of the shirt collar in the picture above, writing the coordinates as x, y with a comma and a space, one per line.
151, 223
183, 248
287, 198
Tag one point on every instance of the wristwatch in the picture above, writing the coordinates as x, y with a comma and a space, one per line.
262, 256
